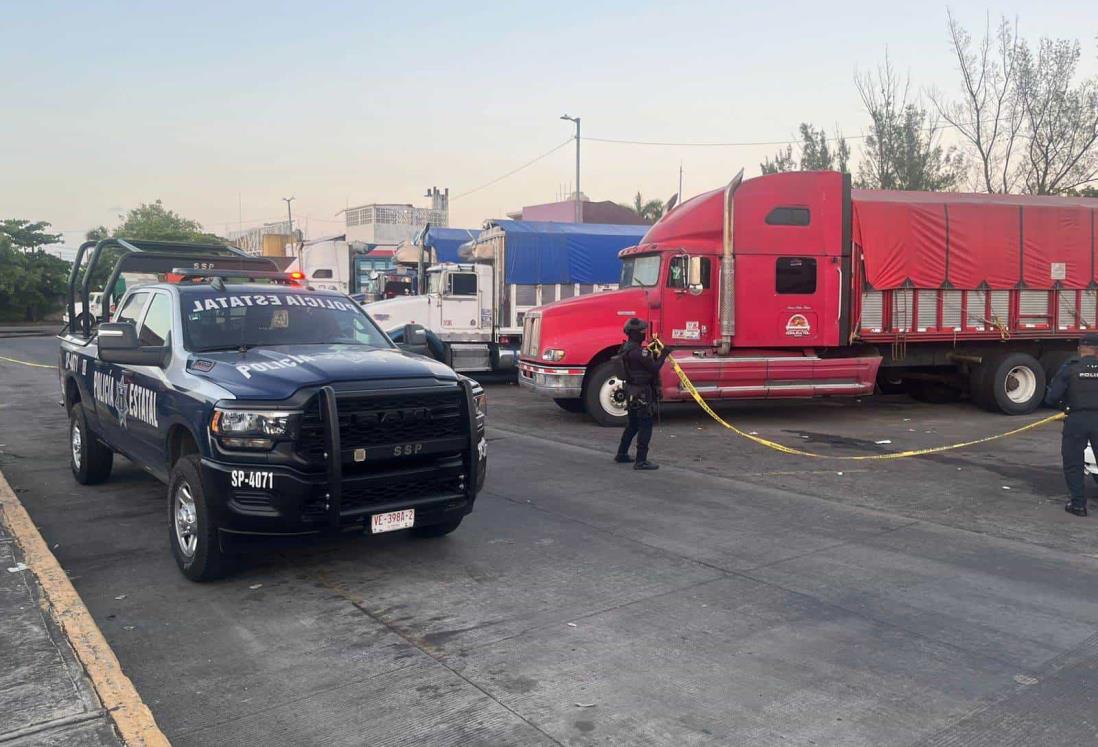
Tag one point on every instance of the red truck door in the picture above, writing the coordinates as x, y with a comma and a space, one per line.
686, 314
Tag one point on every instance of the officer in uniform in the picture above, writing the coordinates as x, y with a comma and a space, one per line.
1075, 389
642, 376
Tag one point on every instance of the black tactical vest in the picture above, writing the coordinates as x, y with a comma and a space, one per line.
1082, 393
632, 359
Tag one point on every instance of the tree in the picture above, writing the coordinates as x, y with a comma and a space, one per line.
783, 161
26, 235
97, 234
32, 282
154, 222
815, 154
988, 115
1061, 118
902, 148
649, 210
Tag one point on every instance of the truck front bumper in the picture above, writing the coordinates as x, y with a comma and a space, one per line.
291, 504
559, 382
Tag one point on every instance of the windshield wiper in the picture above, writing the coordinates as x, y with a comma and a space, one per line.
242, 348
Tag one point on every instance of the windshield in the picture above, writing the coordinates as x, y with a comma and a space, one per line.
434, 282
644, 271
234, 321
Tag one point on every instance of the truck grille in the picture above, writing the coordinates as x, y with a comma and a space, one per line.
531, 335
367, 421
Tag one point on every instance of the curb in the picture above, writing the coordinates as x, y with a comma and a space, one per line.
132, 718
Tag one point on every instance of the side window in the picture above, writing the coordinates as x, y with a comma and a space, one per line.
462, 284
789, 216
323, 274
131, 311
158, 321
678, 273
796, 275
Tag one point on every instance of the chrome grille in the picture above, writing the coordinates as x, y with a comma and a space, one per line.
1065, 304
1000, 307
928, 309
951, 309
902, 301
1088, 307
1033, 307
531, 335
872, 311
977, 310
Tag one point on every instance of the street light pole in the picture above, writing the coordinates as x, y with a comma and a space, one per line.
579, 208
290, 218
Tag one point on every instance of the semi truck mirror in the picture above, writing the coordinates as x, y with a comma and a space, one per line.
415, 336
694, 276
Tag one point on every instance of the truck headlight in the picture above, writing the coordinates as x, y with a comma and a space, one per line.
250, 429
480, 401
552, 354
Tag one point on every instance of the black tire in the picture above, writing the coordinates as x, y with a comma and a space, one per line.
573, 404
1052, 360
603, 376
997, 381
89, 458
202, 560
437, 530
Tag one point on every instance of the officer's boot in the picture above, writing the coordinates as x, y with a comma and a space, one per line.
622, 458
642, 460
1079, 509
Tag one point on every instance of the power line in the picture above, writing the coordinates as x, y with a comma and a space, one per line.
512, 172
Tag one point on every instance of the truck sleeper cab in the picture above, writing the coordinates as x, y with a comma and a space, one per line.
795, 285
271, 411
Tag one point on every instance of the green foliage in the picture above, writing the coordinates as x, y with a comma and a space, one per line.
26, 235
817, 154
97, 234
649, 210
32, 282
154, 222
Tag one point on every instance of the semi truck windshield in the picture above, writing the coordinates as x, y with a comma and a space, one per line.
232, 320
643, 271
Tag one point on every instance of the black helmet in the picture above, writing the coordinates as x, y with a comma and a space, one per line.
635, 327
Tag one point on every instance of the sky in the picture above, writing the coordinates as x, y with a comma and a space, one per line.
221, 108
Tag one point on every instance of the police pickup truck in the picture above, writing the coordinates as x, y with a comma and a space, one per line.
268, 409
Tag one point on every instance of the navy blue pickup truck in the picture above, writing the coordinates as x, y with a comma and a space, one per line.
269, 409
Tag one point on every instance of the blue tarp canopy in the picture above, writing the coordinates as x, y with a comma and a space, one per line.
445, 241
542, 252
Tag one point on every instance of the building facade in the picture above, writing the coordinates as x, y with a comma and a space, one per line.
390, 224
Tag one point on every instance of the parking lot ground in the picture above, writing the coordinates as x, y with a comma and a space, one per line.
737, 596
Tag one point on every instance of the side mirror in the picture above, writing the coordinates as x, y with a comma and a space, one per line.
118, 343
414, 339
694, 276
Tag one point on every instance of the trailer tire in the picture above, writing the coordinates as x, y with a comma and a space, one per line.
571, 404
1012, 383
1053, 359
604, 396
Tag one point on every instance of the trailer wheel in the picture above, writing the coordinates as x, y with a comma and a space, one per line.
1052, 360
1013, 383
604, 396
572, 404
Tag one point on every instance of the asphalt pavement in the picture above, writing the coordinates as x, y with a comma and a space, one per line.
737, 596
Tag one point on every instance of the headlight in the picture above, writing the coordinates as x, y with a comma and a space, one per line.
552, 354
480, 401
250, 429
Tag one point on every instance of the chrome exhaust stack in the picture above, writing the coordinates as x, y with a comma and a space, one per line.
728, 270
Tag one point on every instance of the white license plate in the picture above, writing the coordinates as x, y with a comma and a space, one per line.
392, 521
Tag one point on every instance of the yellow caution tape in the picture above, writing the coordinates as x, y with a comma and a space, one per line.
689, 386
25, 363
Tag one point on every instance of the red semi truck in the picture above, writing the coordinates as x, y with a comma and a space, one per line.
796, 285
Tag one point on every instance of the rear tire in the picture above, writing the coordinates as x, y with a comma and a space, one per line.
89, 458
572, 404
604, 396
192, 527
437, 530
1012, 383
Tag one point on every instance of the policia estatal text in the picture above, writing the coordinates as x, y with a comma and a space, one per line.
1075, 389
642, 380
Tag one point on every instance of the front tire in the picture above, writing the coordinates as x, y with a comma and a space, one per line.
1012, 383
604, 396
89, 459
437, 530
192, 527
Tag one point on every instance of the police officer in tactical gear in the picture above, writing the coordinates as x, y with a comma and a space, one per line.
642, 377
1075, 389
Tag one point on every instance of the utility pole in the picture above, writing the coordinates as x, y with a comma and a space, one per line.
579, 208
290, 217
680, 182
